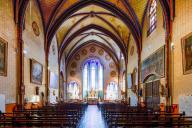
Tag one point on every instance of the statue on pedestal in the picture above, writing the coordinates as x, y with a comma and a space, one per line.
92, 93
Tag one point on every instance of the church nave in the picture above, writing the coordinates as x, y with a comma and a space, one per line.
95, 63
92, 118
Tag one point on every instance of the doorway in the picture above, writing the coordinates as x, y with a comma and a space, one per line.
152, 94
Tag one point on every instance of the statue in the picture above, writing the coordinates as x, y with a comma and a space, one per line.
92, 93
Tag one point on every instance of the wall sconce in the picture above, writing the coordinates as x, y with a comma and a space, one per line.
172, 46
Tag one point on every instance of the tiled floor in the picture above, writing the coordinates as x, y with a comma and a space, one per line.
92, 118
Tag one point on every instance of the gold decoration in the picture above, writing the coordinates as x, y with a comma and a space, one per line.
77, 57
73, 65
101, 52
84, 52
113, 73
35, 28
92, 49
112, 65
72, 73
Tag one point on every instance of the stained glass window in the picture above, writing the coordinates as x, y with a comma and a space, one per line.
112, 91
92, 79
152, 16
73, 90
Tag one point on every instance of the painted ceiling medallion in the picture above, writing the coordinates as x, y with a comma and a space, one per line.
72, 73
92, 49
101, 52
73, 65
107, 57
132, 50
84, 52
35, 28
111, 65
77, 57
113, 73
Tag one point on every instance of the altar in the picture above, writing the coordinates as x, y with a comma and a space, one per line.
92, 100
92, 97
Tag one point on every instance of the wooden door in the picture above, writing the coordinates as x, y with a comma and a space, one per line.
152, 96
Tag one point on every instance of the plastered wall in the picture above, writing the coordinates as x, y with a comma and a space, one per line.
182, 25
8, 33
154, 41
132, 64
34, 48
54, 68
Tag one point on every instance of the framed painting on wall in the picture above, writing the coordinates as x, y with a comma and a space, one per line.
154, 64
36, 72
3, 57
187, 53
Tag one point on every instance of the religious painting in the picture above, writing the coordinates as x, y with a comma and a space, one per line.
3, 57
35, 28
132, 50
154, 64
36, 72
187, 54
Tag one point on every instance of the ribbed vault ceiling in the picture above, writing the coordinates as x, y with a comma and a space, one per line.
107, 22
92, 15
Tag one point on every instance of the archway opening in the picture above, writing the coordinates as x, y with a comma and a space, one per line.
93, 79
152, 91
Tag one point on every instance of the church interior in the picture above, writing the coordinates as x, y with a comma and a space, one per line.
95, 63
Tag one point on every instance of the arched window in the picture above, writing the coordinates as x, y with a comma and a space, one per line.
73, 90
92, 79
112, 91
152, 16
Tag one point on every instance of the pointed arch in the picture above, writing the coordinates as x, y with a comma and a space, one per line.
123, 16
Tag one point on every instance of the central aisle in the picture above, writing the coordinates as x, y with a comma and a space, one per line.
92, 118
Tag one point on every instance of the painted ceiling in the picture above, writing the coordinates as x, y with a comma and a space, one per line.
107, 22
57, 7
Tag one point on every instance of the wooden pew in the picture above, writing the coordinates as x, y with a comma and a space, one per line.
62, 115
121, 115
